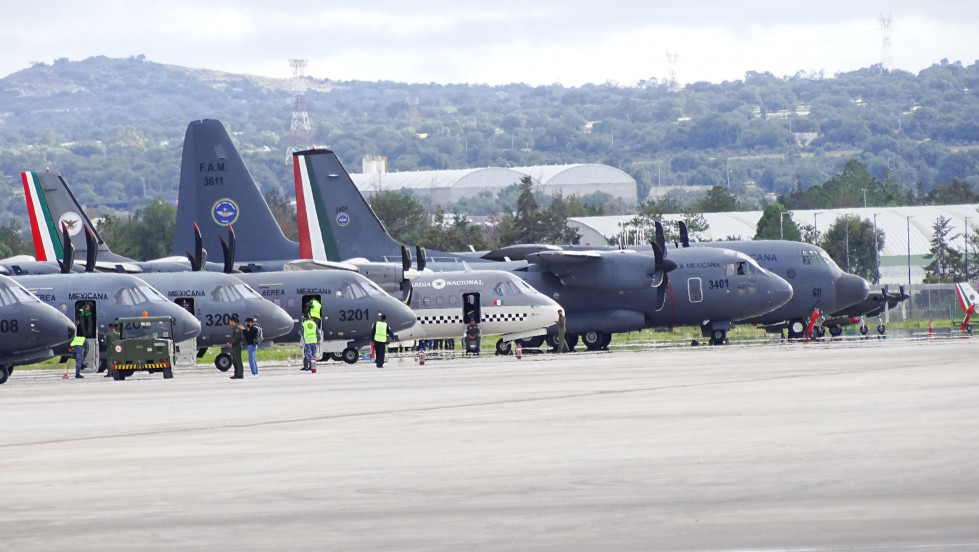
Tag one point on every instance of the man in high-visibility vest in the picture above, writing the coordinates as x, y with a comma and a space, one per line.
311, 338
78, 349
313, 310
379, 334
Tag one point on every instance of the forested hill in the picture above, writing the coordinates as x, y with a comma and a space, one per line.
114, 127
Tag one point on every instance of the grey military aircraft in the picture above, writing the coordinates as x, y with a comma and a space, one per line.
818, 283
603, 292
29, 329
213, 176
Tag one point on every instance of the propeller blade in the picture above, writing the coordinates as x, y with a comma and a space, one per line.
69, 249
661, 290
200, 255
91, 250
229, 258
660, 236
406, 292
684, 236
232, 243
194, 267
421, 256
405, 258
658, 275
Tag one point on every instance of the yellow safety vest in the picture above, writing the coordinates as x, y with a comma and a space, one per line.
314, 308
309, 331
381, 332
78, 341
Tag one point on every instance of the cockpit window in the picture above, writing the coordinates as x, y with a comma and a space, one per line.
740, 268
152, 295
812, 257
505, 288
226, 294
129, 296
372, 289
246, 291
15, 294
351, 290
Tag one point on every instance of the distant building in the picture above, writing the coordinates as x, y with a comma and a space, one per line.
893, 221
449, 186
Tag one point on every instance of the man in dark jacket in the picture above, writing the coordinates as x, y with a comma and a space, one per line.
251, 341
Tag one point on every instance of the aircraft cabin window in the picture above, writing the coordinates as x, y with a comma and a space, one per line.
351, 290
440, 300
453, 300
426, 301
694, 290
505, 288
226, 294
291, 302
373, 289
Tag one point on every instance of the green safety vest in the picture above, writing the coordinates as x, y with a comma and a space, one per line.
78, 341
381, 332
309, 331
314, 308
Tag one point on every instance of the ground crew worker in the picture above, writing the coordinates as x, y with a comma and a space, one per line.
85, 326
236, 341
310, 340
380, 333
313, 310
78, 349
111, 338
562, 325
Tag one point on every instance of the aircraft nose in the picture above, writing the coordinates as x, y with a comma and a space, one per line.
850, 290
274, 320
187, 326
414, 332
781, 292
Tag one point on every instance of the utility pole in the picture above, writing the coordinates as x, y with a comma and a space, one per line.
909, 251
967, 248
876, 252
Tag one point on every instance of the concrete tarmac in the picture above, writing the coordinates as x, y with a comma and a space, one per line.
860, 445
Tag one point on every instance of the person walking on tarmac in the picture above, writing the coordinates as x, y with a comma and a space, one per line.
310, 334
250, 333
236, 341
380, 333
111, 338
313, 310
562, 325
78, 349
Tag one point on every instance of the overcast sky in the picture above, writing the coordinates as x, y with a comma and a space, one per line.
571, 42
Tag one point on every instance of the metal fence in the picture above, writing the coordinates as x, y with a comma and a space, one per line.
929, 302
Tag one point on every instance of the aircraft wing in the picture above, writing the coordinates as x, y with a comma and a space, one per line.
312, 264
564, 257
517, 252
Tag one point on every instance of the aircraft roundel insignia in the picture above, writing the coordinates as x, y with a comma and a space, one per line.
225, 212
343, 219
118, 348
438, 283
72, 221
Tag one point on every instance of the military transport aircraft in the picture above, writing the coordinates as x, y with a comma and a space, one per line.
29, 329
213, 177
603, 292
817, 282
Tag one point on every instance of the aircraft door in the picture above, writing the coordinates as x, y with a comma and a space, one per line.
470, 308
306, 302
86, 317
695, 291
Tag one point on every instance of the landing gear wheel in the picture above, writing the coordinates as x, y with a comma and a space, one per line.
968, 330
836, 330
222, 362
167, 373
4, 373
819, 331
336, 356
718, 337
606, 341
881, 329
551, 340
864, 330
533, 342
796, 327
593, 340
503, 347
350, 355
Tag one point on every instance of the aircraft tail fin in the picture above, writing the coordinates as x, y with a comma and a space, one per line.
967, 296
335, 221
51, 205
216, 190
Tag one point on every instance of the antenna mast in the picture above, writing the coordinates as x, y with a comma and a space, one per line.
301, 132
886, 59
